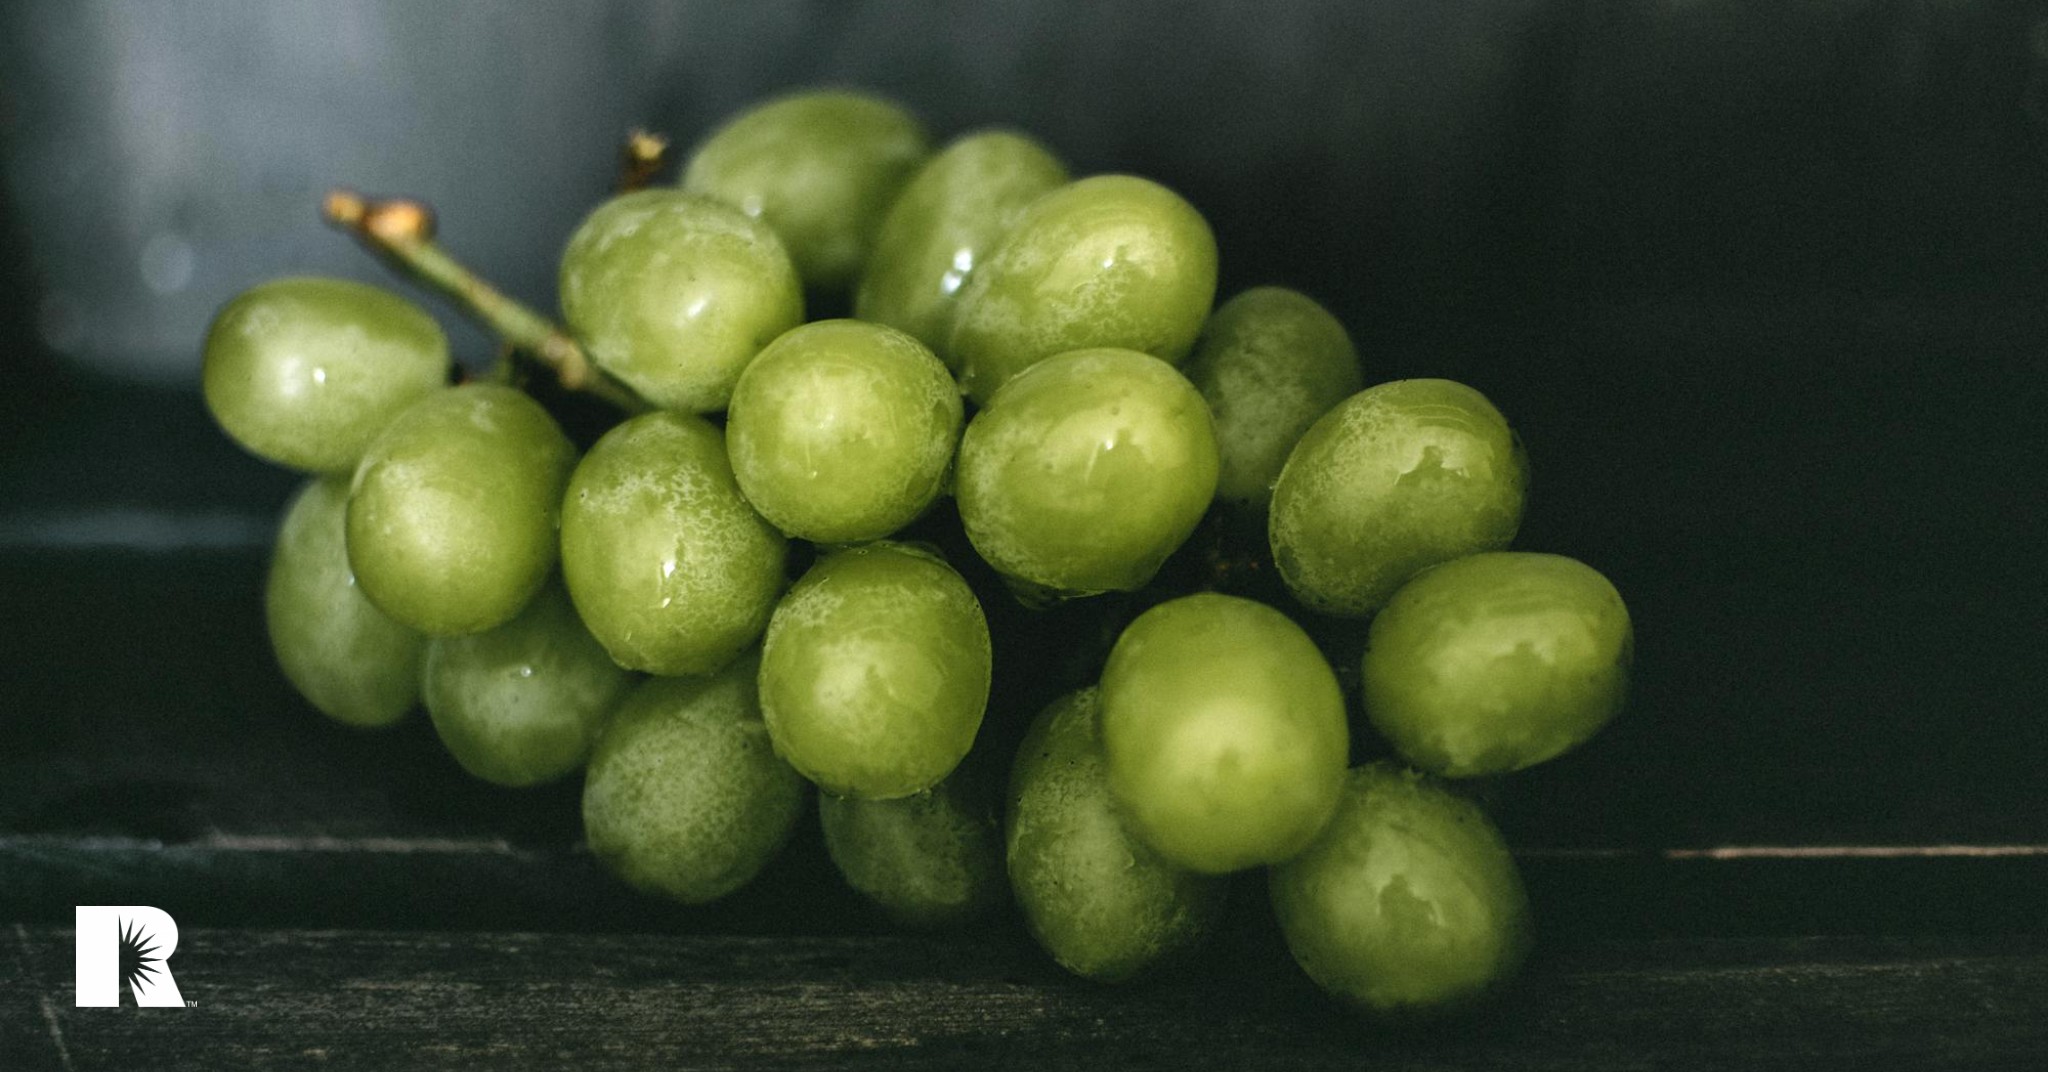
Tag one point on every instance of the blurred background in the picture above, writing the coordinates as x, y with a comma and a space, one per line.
1761, 285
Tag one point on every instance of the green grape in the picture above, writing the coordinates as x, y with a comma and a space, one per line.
345, 656
1111, 260
521, 704
673, 294
1087, 471
1398, 477
945, 222
306, 371
670, 568
1408, 903
842, 431
1270, 361
453, 512
875, 672
684, 797
1496, 662
1105, 906
820, 167
1225, 732
931, 859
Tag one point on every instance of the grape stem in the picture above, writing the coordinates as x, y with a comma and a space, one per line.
642, 158
401, 231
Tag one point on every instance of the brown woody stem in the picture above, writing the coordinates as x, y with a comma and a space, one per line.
642, 158
402, 232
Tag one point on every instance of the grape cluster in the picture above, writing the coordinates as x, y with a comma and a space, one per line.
779, 572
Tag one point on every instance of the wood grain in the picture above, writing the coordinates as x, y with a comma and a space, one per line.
292, 999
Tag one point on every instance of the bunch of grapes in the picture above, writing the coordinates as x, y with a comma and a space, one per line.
778, 566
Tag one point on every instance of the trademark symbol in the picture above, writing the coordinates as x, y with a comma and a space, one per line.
191, 1004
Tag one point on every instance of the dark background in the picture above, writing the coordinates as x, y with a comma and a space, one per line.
1761, 285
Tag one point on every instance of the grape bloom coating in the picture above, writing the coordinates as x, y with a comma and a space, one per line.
1108, 261
1086, 471
820, 168
1408, 902
674, 294
684, 796
1399, 476
668, 565
842, 431
1098, 900
1496, 662
454, 509
875, 672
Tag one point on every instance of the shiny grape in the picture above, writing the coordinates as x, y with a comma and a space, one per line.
1398, 477
454, 510
1225, 732
1497, 662
875, 672
345, 656
1408, 903
668, 565
1087, 471
843, 431
305, 371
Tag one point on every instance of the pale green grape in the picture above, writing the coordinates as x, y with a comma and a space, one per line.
1398, 477
674, 294
1496, 662
454, 509
842, 431
1102, 903
875, 672
1270, 361
684, 797
1225, 732
931, 859
1086, 471
521, 704
345, 656
820, 167
671, 569
1408, 903
1108, 261
306, 371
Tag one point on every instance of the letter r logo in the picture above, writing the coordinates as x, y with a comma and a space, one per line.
126, 944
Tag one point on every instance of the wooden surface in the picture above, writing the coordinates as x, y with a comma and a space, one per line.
397, 1000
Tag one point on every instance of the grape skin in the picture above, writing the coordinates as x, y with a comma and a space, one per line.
673, 294
1108, 261
521, 704
454, 509
819, 167
1225, 732
1408, 904
305, 371
684, 798
668, 565
931, 859
1398, 477
1086, 471
843, 431
346, 657
875, 672
945, 223
1270, 361
1097, 900
1496, 662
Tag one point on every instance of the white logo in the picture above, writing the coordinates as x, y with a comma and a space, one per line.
126, 944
